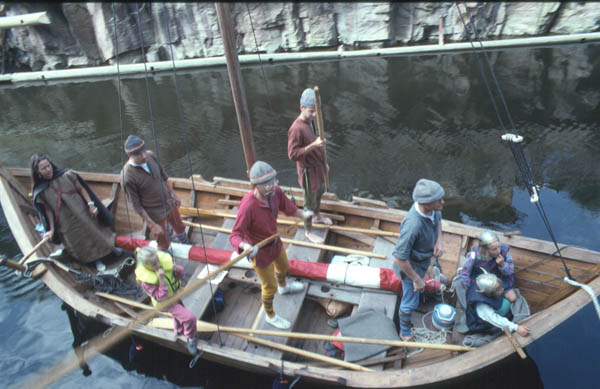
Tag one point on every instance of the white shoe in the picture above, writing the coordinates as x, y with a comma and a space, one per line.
278, 322
291, 287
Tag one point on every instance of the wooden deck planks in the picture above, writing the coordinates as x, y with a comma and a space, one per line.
385, 302
199, 300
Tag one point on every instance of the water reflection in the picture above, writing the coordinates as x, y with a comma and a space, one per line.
389, 121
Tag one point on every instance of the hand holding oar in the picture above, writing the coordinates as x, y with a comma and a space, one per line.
33, 250
514, 343
321, 130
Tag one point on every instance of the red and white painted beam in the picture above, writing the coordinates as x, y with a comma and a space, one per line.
348, 274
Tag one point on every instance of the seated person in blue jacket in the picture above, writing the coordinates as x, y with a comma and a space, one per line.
487, 308
493, 257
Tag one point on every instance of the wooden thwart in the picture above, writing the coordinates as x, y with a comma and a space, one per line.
209, 212
298, 242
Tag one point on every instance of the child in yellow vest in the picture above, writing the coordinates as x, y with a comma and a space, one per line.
160, 278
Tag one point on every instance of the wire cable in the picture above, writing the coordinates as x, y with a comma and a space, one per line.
189, 160
515, 147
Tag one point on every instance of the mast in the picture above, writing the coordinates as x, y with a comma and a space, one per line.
237, 85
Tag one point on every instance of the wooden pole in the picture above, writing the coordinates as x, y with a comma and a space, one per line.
297, 242
514, 343
320, 127
33, 250
31, 19
209, 212
304, 353
11, 264
237, 85
210, 327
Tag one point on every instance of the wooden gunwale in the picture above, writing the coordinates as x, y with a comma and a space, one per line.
342, 206
540, 323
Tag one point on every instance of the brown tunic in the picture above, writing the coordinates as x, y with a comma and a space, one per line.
146, 191
300, 135
84, 237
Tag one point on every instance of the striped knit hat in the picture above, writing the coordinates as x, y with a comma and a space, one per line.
134, 144
261, 172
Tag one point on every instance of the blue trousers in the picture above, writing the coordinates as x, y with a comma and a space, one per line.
410, 298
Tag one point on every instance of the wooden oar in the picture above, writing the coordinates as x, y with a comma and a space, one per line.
336, 249
33, 250
514, 343
184, 211
210, 327
130, 303
304, 353
320, 127
11, 264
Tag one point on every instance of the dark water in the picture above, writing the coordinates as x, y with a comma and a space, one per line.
389, 122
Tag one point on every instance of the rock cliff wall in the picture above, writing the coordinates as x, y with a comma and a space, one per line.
83, 34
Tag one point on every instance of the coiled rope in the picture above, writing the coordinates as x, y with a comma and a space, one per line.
588, 290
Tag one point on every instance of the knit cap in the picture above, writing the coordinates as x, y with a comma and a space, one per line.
261, 172
427, 191
134, 144
308, 98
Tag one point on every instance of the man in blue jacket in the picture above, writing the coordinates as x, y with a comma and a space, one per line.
420, 239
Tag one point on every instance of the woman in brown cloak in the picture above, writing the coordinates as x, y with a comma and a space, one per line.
71, 212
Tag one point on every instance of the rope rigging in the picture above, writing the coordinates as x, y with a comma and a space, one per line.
262, 70
148, 95
154, 132
120, 111
189, 160
513, 139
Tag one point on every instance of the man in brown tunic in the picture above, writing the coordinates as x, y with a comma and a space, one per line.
145, 184
306, 148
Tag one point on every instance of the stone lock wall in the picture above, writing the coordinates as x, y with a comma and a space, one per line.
83, 34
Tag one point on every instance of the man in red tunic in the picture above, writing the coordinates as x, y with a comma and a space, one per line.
306, 148
257, 220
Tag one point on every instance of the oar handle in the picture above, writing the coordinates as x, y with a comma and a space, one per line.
33, 250
514, 343
11, 264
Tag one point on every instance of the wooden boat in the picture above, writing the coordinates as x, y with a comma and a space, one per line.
538, 274
363, 225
